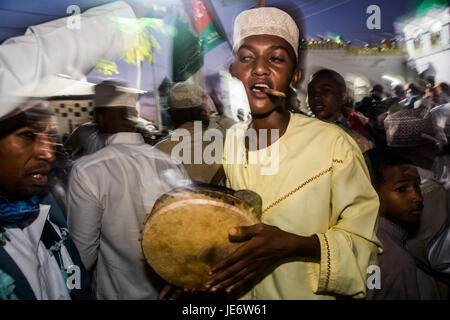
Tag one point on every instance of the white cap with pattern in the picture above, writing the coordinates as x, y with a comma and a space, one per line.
265, 20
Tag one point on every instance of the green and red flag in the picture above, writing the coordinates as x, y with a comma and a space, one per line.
187, 55
191, 43
204, 25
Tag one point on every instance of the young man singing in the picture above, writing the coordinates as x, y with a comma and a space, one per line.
317, 237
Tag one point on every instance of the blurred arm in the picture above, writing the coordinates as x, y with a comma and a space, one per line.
58, 46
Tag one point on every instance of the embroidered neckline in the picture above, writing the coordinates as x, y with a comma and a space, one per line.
290, 193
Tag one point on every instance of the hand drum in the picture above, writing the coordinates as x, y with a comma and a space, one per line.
187, 231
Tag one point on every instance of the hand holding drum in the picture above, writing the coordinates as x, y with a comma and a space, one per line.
186, 233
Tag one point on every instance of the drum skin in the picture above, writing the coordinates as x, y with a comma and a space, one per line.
186, 233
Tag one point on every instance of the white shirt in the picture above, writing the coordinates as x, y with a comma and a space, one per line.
39, 268
110, 194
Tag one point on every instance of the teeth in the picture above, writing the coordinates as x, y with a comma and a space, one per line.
38, 175
261, 85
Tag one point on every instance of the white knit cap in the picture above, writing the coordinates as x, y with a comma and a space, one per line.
265, 20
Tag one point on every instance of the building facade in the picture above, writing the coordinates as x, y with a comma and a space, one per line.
427, 39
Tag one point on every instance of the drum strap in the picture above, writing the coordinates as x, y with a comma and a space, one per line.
218, 177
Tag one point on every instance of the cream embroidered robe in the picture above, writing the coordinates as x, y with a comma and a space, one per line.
313, 180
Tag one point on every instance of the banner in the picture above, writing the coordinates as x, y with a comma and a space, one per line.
200, 15
187, 55
188, 46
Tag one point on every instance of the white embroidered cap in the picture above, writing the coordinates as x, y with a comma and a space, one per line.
265, 20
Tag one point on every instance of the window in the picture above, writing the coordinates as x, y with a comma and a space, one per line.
436, 34
436, 39
418, 40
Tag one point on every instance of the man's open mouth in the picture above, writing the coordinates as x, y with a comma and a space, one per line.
39, 177
258, 89
260, 86
261, 90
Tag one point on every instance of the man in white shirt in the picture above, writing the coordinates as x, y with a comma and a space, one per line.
37, 258
110, 194
189, 115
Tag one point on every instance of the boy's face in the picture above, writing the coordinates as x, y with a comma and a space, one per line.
25, 157
269, 60
400, 195
325, 97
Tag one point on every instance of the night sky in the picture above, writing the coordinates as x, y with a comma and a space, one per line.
349, 19
345, 17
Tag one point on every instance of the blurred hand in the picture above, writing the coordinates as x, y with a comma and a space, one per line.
170, 292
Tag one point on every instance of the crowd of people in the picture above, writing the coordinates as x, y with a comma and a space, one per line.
356, 198
404, 139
